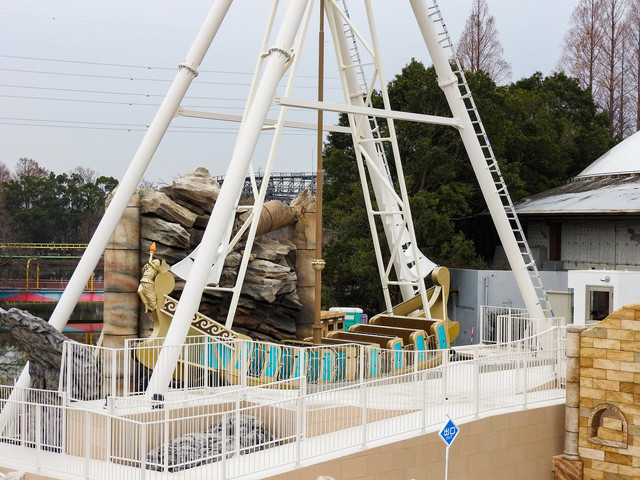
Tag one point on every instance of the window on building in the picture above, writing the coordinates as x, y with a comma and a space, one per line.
555, 241
599, 303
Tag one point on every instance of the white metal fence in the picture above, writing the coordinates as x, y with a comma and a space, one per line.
235, 430
89, 372
507, 324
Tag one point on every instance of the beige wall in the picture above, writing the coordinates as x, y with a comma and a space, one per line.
514, 446
610, 378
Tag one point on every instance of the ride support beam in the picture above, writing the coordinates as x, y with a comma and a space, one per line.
449, 84
278, 57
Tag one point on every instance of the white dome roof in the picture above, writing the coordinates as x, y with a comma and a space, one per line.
621, 159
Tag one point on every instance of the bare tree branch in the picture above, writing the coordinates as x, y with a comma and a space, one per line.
479, 47
583, 43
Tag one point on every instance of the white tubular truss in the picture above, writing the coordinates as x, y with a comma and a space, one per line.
87, 264
406, 266
411, 266
278, 57
449, 83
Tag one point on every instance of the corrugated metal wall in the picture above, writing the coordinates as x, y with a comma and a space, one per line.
601, 243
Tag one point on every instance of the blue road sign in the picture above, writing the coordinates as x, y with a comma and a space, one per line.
449, 432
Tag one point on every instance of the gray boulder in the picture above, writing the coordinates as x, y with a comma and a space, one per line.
161, 206
43, 344
167, 233
198, 448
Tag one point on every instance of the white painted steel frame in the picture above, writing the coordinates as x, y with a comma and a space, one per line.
278, 57
269, 122
251, 222
261, 193
183, 267
368, 111
393, 209
449, 84
188, 70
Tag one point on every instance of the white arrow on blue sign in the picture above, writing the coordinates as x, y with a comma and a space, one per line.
449, 432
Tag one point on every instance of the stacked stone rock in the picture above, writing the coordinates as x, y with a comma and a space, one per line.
43, 344
198, 448
175, 219
603, 393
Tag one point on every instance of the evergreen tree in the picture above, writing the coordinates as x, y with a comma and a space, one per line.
43, 207
543, 130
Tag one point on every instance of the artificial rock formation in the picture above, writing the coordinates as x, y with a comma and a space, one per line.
121, 276
175, 218
43, 344
195, 449
303, 234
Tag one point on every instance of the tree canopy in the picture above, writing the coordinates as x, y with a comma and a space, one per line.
42, 206
543, 130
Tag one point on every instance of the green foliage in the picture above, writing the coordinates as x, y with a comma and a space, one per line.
351, 276
543, 130
55, 208
554, 131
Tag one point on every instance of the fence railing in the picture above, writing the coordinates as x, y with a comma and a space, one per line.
235, 429
89, 372
34, 284
507, 324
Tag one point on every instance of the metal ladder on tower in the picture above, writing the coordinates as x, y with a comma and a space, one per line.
357, 60
391, 205
492, 163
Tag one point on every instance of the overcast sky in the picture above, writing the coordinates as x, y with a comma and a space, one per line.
82, 80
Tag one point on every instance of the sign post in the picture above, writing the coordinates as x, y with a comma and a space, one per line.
448, 434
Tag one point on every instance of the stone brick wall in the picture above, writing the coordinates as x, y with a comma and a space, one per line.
609, 423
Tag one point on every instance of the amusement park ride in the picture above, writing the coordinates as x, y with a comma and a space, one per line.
377, 155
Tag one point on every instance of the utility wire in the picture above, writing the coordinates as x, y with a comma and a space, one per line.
121, 65
123, 127
113, 102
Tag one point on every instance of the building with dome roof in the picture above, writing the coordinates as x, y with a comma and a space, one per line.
590, 228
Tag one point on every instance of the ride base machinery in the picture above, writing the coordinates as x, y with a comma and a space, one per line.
422, 314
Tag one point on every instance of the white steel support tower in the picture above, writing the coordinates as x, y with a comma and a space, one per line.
406, 266
411, 266
492, 165
484, 163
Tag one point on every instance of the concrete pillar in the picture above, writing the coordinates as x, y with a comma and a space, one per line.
568, 466
572, 414
303, 234
121, 277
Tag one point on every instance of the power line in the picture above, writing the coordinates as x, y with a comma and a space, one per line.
133, 128
71, 121
86, 75
113, 102
129, 25
78, 100
103, 92
84, 62
121, 65
77, 90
